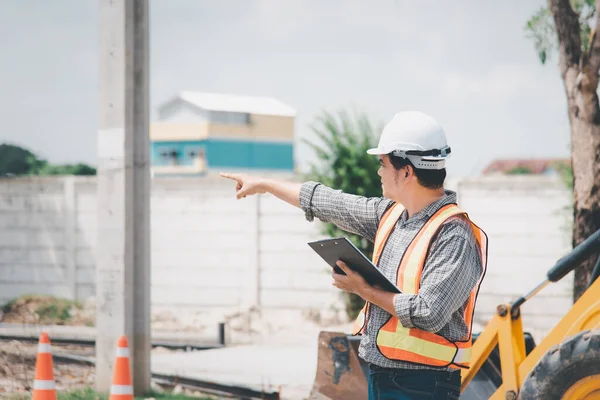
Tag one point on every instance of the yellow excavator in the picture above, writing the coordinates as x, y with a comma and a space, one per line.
506, 363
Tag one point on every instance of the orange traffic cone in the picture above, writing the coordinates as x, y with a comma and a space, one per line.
121, 388
44, 387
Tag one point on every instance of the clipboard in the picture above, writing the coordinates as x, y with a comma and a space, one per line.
332, 250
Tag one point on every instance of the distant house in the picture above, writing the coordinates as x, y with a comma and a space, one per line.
199, 132
526, 166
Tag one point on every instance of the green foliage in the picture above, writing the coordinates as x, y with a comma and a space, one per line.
48, 309
586, 10
566, 174
59, 310
519, 171
42, 167
82, 394
91, 394
345, 165
15, 160
540, 28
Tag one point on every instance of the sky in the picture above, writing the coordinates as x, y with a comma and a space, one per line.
469, 64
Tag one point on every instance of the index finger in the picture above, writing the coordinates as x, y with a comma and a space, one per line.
230, 176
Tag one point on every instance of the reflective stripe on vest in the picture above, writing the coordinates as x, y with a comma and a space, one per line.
411, 344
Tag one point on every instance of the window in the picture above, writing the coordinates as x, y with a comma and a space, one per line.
169, 156
222, 117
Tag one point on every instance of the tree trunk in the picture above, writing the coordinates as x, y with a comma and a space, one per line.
584, 117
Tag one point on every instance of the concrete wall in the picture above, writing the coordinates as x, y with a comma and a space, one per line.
528, 223
37, 238
213, 253
206, 246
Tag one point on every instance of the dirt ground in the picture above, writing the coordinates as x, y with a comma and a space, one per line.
17, 368
17, 359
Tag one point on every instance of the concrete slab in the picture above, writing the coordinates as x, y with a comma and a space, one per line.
89, 333
287, 369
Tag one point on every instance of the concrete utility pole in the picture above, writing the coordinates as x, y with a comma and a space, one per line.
123, 247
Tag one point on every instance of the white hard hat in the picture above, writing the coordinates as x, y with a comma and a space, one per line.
417, 137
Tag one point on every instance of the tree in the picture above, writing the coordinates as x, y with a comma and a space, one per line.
344, 164
15, 160
567, 25
42, 167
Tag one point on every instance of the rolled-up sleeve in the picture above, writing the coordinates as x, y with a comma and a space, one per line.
352, 213
452, 269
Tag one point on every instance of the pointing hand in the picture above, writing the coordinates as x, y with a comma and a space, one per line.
246, 185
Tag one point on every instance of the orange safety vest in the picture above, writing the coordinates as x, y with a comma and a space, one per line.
414, 345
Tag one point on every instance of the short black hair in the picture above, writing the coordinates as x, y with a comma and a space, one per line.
429, 178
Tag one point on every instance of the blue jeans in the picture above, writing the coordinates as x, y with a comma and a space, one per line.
406, 384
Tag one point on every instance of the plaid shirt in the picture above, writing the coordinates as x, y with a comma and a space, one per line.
452, 268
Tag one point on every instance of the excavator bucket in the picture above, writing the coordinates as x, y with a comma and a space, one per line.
340, 373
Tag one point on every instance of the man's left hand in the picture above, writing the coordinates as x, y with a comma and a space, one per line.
352, 282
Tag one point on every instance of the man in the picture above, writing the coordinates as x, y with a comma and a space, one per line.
417, 341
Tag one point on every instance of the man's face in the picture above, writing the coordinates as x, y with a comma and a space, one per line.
391, 184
